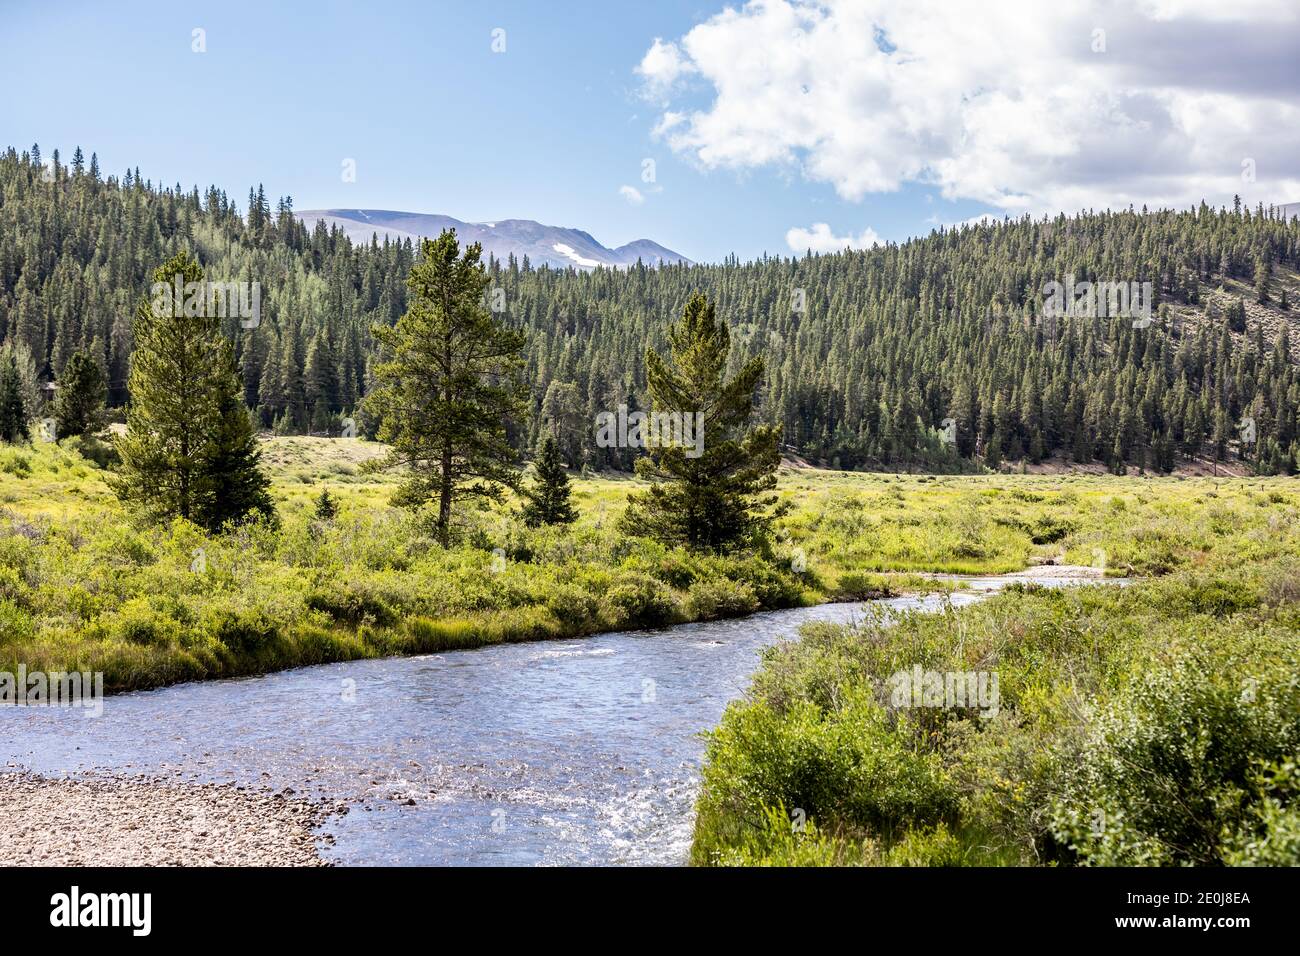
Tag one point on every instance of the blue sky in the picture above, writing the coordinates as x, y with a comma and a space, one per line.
548, 130
867, 116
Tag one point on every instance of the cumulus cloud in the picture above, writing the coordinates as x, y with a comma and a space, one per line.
820, 239
631, 194
661, 67
1025, 106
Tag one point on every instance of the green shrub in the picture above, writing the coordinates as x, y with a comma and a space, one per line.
675, 569
714, 598
1170, 769
847, 770
577, 609
1217, 595
246, 631
12, 586
13, 462
1049, 529
854, 586
352, 603
15, 623
775, 586
138, 622
100, 453
637, 600
1272, 836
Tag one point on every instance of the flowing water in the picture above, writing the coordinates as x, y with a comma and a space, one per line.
563, 752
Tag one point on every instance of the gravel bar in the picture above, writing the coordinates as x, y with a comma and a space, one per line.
140, 821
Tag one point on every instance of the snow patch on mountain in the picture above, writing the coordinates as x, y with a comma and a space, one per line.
555, 246
564, 250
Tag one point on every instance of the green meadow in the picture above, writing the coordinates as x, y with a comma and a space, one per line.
85, 586
1152, 724
1155, 723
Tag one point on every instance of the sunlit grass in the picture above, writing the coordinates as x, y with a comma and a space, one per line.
82, 584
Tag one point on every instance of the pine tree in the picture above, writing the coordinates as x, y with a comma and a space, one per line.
271, 389
547, 502
29, 382
448, 384
13, 410
909, 324
1263, 276
189, 449
232, 485
321, 375
1236, 316
250, 368
327, 506
562, 417
714, 494
292, 364
80, 398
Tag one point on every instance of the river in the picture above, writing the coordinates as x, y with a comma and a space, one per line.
563, 752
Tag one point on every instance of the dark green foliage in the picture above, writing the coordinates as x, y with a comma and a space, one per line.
352, 604
1263, 280
79, 403
102, 453
13, 410
893, 340
189, 449
327, 506
448, 385
714, 494
547, 501
233, 485
1236, 316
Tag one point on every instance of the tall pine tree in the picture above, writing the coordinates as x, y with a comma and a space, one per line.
448, 384
189, 450
547, 501
13, 410
720, 499
80, 398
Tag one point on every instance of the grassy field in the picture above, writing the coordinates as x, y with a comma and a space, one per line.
1154, 724
83, 586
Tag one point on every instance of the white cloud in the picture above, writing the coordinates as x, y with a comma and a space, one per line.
1002, 103
661, 67
820, 239
1216, 9
631, 194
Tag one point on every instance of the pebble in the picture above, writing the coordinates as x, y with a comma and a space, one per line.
113, 820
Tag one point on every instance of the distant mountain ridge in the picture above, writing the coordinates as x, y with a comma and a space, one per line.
555, 246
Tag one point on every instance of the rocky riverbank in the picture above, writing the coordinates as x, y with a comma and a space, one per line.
133, 821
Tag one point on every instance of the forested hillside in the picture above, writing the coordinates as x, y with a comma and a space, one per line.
867, 352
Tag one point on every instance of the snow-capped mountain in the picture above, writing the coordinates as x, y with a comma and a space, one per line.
552, 245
